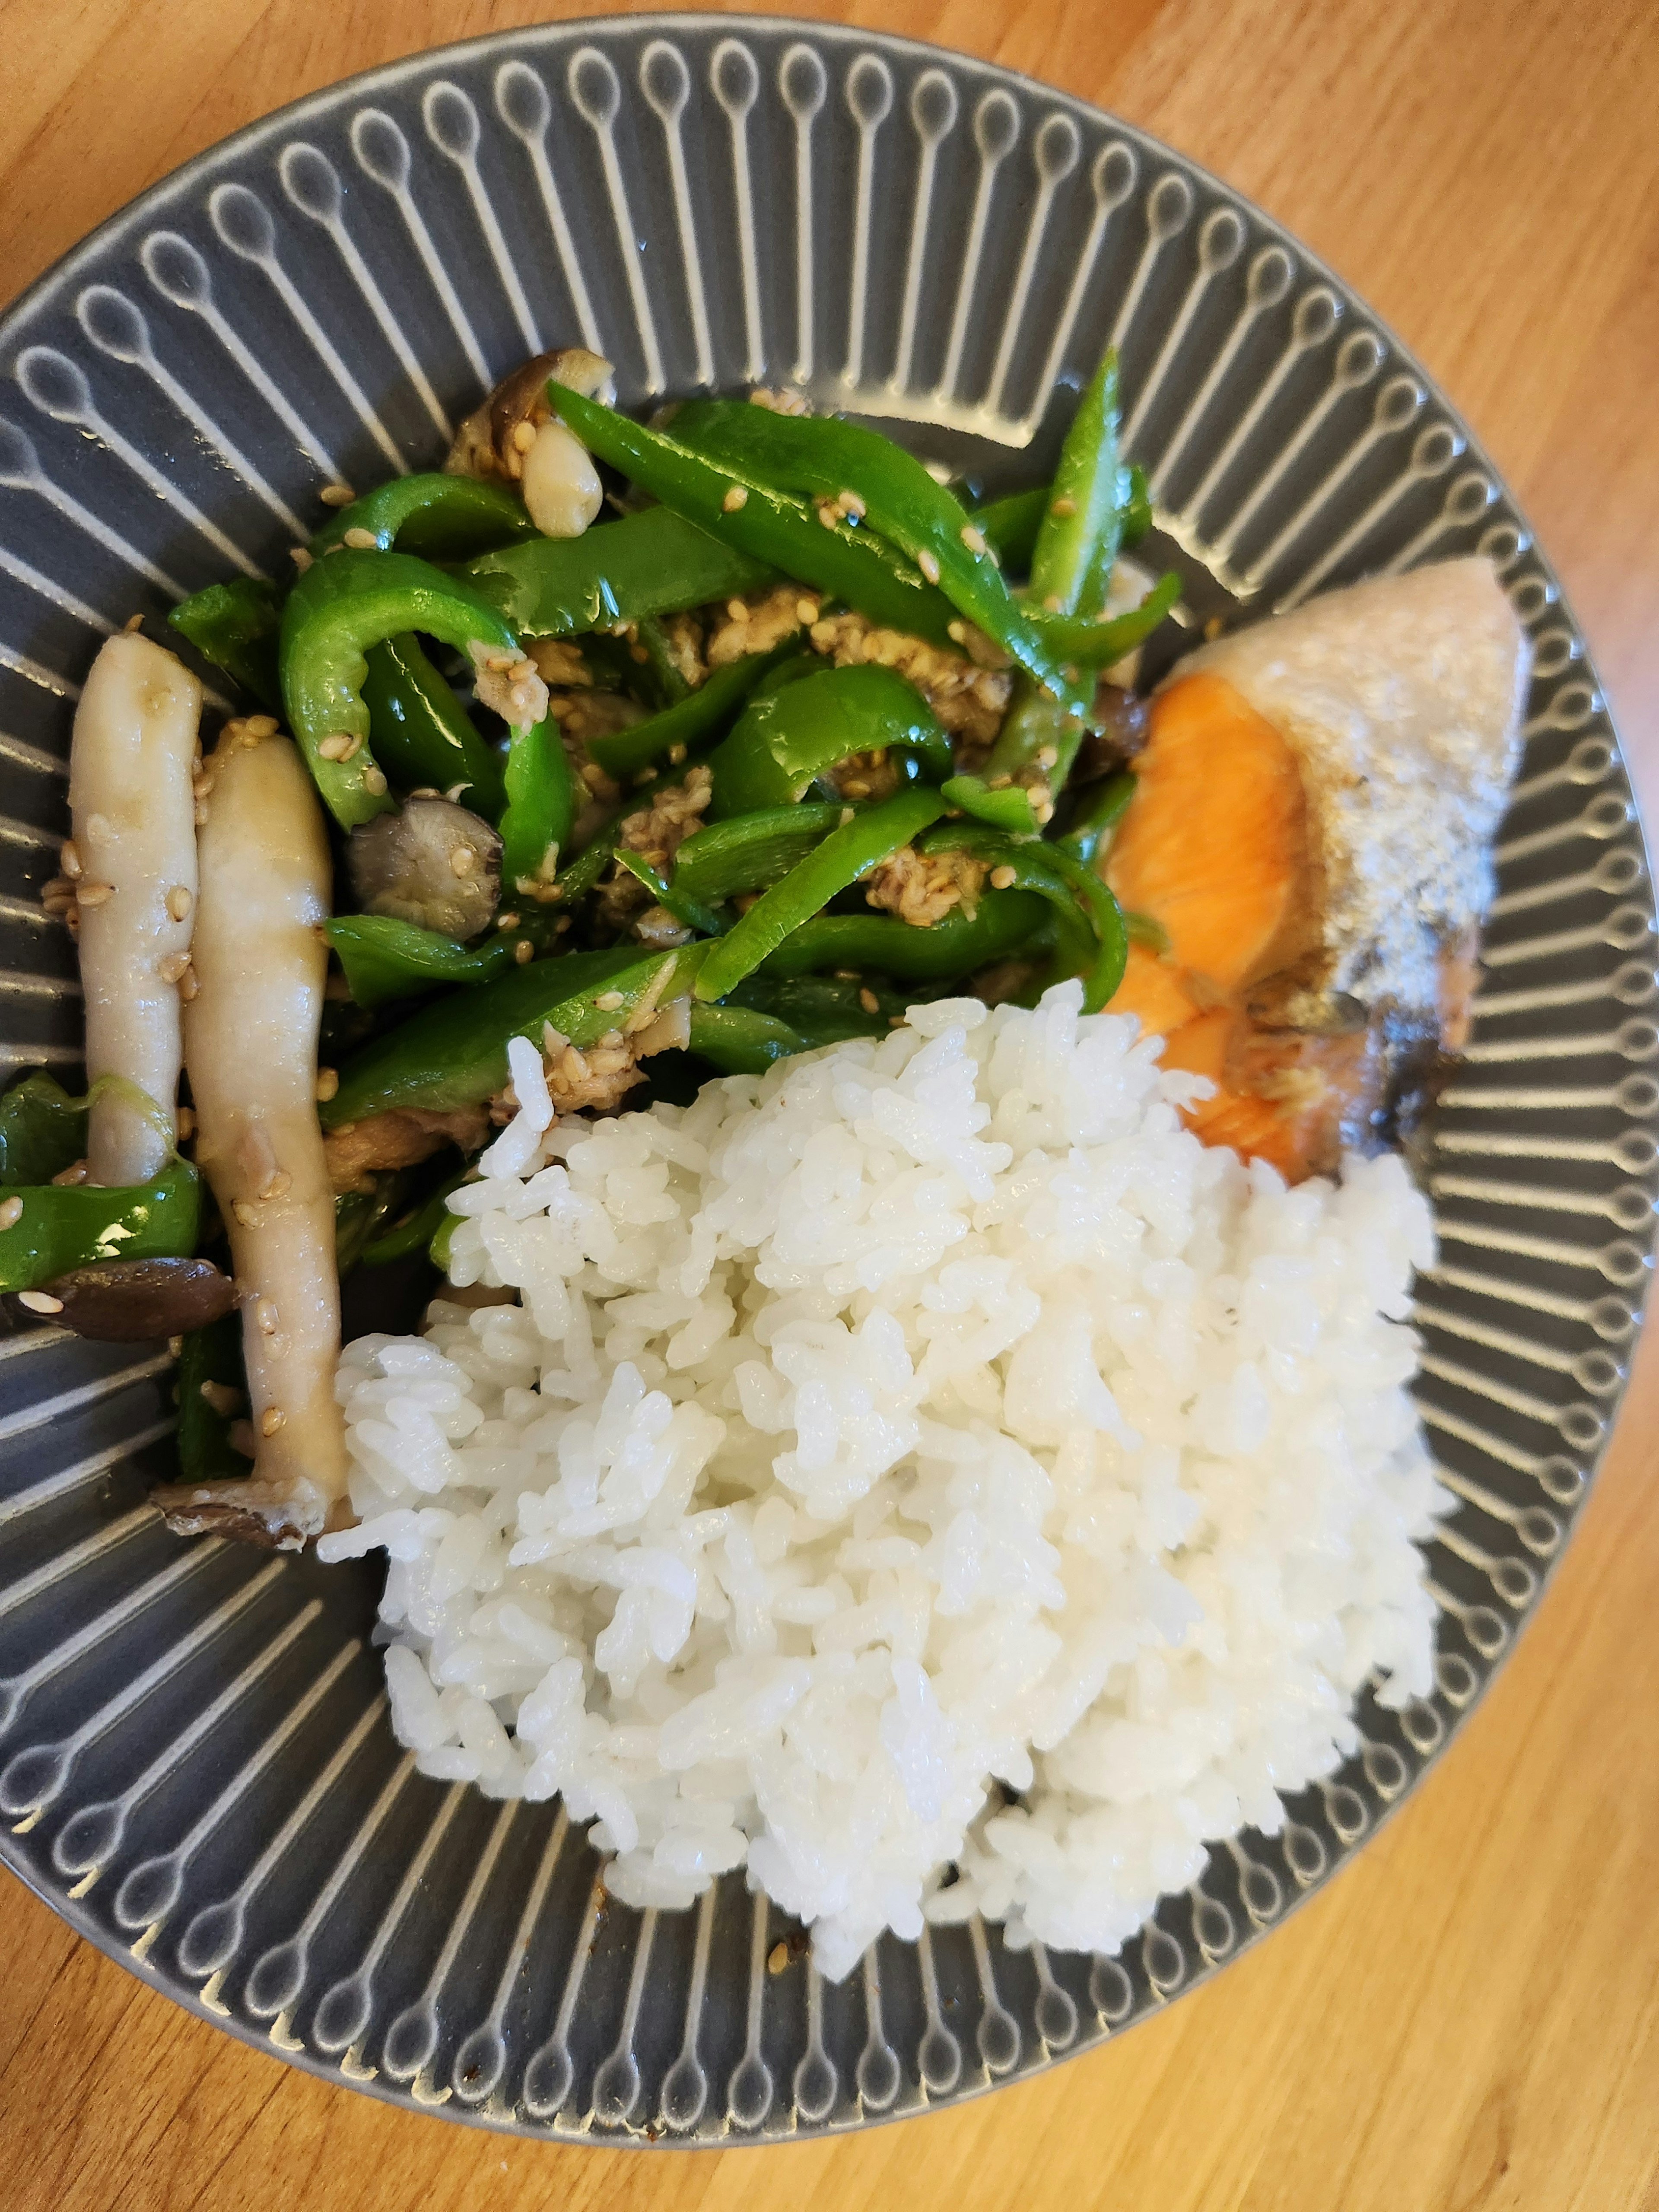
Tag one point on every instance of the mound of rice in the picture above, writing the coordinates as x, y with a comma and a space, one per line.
927, 1476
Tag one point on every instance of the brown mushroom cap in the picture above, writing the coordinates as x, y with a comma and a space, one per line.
132, 1300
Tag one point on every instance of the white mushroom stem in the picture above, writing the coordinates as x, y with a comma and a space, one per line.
133, 812
560, 486
250, 1048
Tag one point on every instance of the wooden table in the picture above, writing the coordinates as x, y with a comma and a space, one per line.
1486, 173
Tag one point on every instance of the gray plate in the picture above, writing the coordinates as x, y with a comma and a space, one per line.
194, 1754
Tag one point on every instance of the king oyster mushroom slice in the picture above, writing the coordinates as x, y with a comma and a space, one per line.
516, 435
433, 863
132, 807
250, 1049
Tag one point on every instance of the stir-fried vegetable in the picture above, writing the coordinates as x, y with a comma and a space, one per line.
419, 734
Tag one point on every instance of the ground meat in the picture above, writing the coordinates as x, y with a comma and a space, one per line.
656, 834
780, 401
970, 701
398, 1139
756, 623
864, 775
560, 661
683, 635
509, 684
923, 889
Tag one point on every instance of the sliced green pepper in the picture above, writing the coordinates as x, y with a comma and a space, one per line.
696, 717
439, 516
738, 1041
415, 1232
654, 562
1137, 507
766, 524
337, 610
62, 1226
1093, 940
42, 1129
1098, 644
822, 1008
454, 1053
1009, 526
213, 1356
1003, 924
542, 804
1082, 526
420, 733
359, 1214
1008, 808
385, 959
1099, 809
750, 851
784, 744
822, 457
234, 626
846, 855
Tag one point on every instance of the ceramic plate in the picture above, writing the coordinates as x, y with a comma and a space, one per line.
195, 1766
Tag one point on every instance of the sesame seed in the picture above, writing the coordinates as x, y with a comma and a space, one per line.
847, 815
895, 1021
1045, 810
777, 1957
173, 967
68, 859
334, 748
507, 920
999, 783
132, 624
524, 436
608, 1001
868, 1001
850, 503
246, 1211
373, 782
265, 1317
676, 755
11, 1212
928, 565
1047, 757
201, 814
270, 1421
189, 984
1002, 878
957, 631
277, 1184
300, 557
40, 1302
736, 610
328, 1085
524, 952
179, 901
337, 495
223, 1400
736, 496
806, 611
93, 894
360, 540
1063, 506
972, 538
829, 516
1054, 604
855, 787
462, 860
175, 1346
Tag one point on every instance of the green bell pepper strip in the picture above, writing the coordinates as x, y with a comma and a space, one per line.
1082, 525
421, 734
1003, 924
821, 1009
1009, 526
690, 913
1093, 941
846, 855
1099, 809
751, 850
739, 1041
385, 959
654, 562
337, 610
234, 626
790, 669
358, 1215
454, 1053
783, 743
439, 516
820, 456
1007, 809
659, 673
42, 1130
696, 718
73, 1224
1035, 726
770, 526
1137, 507
542, 804
415, 1232
1098, 644
214, 1356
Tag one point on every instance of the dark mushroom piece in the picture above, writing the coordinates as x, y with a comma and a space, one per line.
516, 436
134, 1301
435, 864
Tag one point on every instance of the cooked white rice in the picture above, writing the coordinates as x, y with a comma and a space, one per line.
928, 1416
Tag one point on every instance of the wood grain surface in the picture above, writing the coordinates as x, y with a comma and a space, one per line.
1468, 2019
